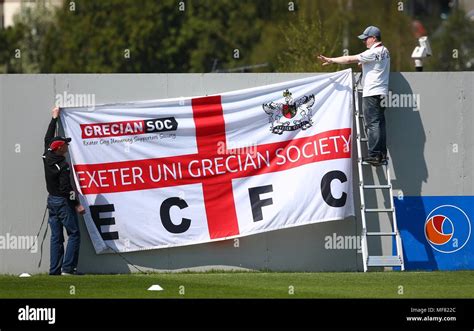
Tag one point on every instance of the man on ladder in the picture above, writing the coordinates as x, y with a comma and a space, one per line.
375, 74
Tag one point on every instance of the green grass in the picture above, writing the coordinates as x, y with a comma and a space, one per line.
456, 284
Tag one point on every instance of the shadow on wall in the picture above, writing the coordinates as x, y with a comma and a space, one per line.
406, 140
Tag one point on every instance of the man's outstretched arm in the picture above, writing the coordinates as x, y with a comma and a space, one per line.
51, 128
348, 59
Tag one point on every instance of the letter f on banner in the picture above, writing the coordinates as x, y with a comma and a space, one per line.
257, 203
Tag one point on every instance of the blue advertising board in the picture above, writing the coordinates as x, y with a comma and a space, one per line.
436, 232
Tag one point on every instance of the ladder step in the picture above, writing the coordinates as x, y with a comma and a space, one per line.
381, 233
382, 163
384, 261
376, 186
362, 138
379, 210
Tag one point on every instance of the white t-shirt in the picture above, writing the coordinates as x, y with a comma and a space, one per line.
375, 70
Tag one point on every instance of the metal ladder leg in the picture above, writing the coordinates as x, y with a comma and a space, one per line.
398, 238
361, 181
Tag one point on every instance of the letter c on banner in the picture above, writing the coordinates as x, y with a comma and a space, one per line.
166, 219
326, 188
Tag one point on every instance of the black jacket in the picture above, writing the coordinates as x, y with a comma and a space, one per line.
56, 169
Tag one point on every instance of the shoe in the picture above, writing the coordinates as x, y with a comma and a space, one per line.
373, 160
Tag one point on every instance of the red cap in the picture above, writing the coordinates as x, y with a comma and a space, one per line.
56, 144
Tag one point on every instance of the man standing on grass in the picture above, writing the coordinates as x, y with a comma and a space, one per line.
62, 203
375, 74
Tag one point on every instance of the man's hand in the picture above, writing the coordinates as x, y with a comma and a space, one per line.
55, 112
80, 209
325, 60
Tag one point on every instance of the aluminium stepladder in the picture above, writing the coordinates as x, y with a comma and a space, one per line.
374, 260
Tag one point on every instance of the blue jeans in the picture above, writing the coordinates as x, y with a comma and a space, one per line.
62, 214
375, 125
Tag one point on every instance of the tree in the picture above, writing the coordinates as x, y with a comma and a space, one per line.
150, 36
224, 31
453, 44
205, 35
307, 35
30, 26
10, 51
331, 28
116, 36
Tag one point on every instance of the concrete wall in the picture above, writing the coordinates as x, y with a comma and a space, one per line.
420, 143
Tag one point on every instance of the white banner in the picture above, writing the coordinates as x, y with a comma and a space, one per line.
176, 172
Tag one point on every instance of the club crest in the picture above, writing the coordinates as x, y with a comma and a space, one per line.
290, 115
